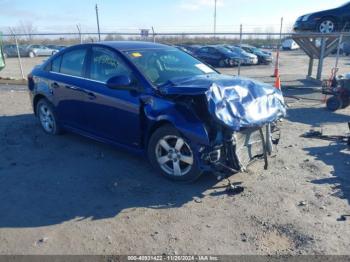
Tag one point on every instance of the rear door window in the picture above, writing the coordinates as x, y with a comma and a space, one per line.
73, 62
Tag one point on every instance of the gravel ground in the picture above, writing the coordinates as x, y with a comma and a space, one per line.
71, 195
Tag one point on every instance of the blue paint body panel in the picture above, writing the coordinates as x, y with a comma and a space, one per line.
123, 117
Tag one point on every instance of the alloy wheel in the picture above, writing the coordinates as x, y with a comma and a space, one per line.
46, 118
174, 156
327, 26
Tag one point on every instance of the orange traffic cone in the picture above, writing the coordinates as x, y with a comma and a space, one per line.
278, 82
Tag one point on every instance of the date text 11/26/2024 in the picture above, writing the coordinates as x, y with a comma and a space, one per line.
172, 258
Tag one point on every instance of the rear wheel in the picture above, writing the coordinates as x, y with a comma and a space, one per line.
31, 54
171, 155
47, 117
327, 25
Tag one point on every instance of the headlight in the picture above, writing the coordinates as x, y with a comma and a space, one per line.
305, 18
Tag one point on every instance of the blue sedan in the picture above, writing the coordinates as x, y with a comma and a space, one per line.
156, 100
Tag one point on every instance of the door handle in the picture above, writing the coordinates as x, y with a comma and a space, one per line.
91, 95
55, 85
72, 87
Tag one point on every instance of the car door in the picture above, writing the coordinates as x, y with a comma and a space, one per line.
67, 83
113, 114
203, 54
215, 56
345, 16
44, 51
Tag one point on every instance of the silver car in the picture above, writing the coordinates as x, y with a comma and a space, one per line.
40, 50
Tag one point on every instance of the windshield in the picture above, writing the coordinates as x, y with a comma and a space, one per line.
162, 65
224, 50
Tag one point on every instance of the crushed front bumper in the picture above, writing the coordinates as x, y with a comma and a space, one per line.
240, 149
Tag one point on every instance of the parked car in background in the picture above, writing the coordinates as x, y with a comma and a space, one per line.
183, 48
40, 50
191, 48
155, 100
264, 57
290, 44
327, 21
11, 51
346, 48
56, 47
245, 57
217, 56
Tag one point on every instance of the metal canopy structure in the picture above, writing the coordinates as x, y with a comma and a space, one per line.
318, 46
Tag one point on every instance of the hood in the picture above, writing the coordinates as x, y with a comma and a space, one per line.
235, 102
324, 12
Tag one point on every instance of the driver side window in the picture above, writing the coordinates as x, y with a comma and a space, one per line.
106, 64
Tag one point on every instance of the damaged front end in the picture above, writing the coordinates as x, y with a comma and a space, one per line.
240, 116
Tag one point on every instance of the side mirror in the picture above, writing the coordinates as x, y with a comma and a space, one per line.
120, 82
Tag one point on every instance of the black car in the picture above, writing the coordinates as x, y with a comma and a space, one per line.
264, 57
327, 21
217, 56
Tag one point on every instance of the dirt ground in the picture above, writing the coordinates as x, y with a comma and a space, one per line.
71, 195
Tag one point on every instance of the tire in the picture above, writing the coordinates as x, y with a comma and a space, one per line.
47, 117
6, 55
31, 54
222, 63
172, 156
334, 103
327, 25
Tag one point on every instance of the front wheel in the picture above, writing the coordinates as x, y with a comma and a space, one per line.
31, 54
327, 25
172, 156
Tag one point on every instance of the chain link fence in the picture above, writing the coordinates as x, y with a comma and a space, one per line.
20, 58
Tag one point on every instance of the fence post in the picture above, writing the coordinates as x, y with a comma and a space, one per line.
240, 46
320, 61
18, 55
80, 35
154, 35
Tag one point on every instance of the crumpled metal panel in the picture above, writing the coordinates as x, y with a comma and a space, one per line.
245, 103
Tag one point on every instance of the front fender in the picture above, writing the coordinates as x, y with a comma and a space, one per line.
180, 116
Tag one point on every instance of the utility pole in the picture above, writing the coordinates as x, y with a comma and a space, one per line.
215, 5
98, 24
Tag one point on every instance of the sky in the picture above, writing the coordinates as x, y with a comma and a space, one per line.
163, 15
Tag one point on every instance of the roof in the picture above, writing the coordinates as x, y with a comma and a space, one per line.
132, 45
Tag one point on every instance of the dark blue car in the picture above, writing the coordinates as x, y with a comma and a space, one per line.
217, 56
327, 21
156, 100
